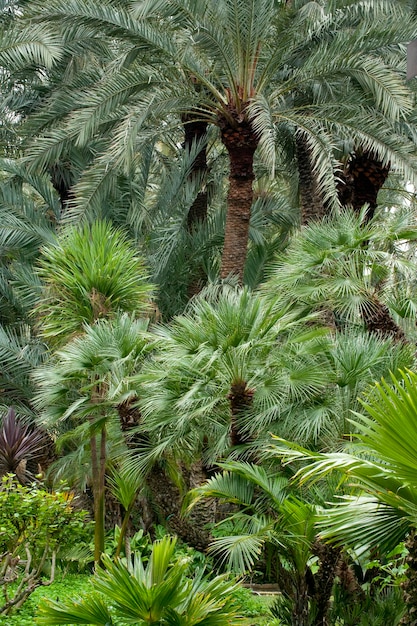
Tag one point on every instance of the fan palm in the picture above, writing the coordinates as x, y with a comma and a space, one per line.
382, 465
220, 367
225, 67
83, 386
90, 273
154, 593
271, 519
350, 269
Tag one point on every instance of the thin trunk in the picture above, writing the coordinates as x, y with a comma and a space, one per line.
195, 130
410, 584
241, 142
311, 202
98, 466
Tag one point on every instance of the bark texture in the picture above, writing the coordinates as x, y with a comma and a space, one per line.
378, 320
167, 498
329, 557
363, 177
195, 131
241, 142
241, 398
311, 202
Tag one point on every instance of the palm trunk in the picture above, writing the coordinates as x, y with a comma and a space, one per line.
329, 557
241, 398
241, 142
195, 130
361, 182
378, 320
410, 584
311, 202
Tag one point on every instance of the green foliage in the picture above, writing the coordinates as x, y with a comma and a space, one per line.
91, 272
381, 463
62, 588
34, 527
155, 593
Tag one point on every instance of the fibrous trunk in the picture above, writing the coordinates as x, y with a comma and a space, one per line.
241, 142
195, 131
329, 557
361, 181
311, 201
378, 320
98, 466
241, 398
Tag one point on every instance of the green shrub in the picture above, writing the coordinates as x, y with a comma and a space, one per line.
35, 526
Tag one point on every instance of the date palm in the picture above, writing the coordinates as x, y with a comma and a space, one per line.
244, 68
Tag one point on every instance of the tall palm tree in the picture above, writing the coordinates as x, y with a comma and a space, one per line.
225, 67
82, 387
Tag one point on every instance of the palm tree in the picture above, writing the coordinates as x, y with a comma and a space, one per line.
222, 369
225, 68
269, 519
350, 270
83, 386
149, 594
381, 462
90, 274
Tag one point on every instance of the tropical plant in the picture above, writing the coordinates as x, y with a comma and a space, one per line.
156, 593
269, 520
381, 465
83, 385
90, 273
35, 526
345, 269
21, 448
228, 359
236, 77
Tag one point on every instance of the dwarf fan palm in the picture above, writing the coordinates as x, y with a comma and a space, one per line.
350, 269
382, 465
83, 386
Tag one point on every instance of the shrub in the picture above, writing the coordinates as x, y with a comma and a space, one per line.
34, 526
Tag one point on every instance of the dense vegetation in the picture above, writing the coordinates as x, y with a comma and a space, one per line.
208, 311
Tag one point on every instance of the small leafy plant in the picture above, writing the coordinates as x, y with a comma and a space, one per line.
34, 526
20, 446
158, 592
